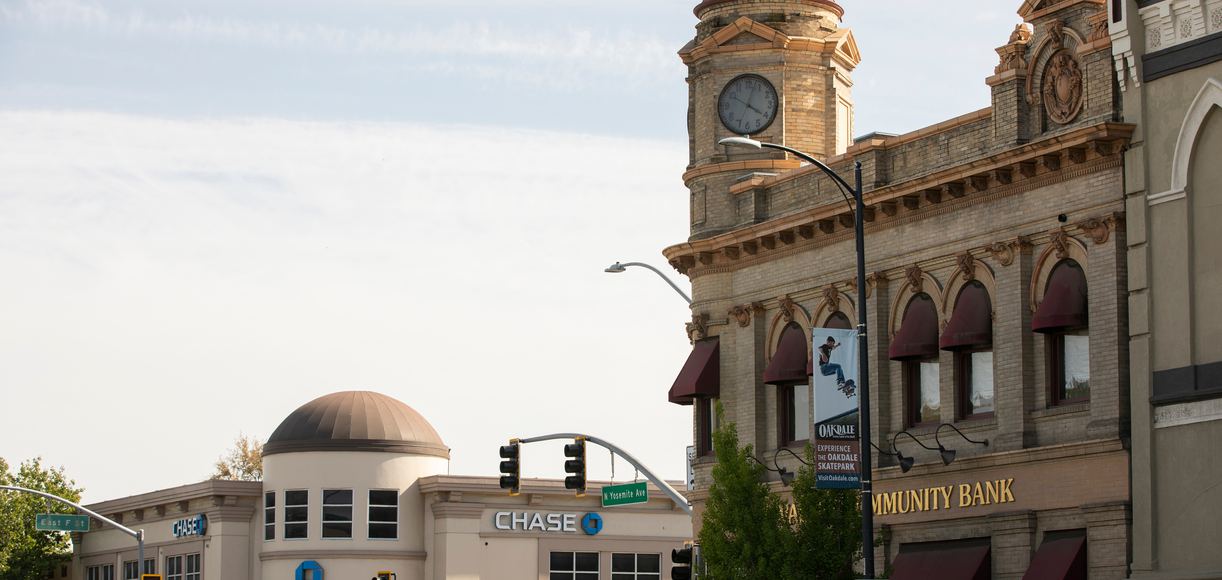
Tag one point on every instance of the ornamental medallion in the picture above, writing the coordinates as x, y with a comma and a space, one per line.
1062, 88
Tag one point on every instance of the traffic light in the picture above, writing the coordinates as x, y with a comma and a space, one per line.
681, 560
511, 468
386, 575
576, 465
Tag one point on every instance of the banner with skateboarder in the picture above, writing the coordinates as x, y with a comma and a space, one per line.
835, 412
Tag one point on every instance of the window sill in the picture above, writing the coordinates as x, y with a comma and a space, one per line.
1059, 410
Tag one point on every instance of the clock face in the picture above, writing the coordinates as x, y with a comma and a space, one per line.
747, 105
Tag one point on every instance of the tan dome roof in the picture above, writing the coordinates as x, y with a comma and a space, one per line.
356, 421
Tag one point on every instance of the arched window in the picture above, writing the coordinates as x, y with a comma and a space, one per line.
1062, 319
969, 334
787, 370
916, 346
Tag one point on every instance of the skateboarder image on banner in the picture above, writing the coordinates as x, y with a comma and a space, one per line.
828, 368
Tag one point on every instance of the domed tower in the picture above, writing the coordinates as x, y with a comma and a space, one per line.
340, 476
777, 70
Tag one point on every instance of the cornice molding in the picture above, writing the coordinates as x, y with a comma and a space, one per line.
265, 555
751, 165
1066, 156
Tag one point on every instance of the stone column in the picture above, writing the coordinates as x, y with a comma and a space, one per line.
1107, 540
1013, 543
1013, 344
1109, 372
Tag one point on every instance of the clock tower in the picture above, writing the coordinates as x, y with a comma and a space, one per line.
778, 70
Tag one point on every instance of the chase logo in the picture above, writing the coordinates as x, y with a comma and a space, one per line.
591, 524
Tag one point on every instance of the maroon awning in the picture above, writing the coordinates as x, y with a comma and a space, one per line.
952, 563
1064, 304
971, 325
918, 334
788, 364
701, 374
1059, 558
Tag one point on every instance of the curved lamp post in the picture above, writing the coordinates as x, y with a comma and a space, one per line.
617, 268
867, 462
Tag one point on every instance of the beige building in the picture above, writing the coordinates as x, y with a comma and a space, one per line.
355, 484
1168, 61
995, 252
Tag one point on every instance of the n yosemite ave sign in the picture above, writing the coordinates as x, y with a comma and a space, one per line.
963, 495
626, 494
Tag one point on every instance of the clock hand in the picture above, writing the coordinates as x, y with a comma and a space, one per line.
748, 105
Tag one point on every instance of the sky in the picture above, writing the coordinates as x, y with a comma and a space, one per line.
215, 211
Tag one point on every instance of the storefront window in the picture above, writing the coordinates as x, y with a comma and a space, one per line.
173, 568
100, 572
296, 515
193, 567
636, 567
150, 566
337, 513
131, 570
574, 566
383, 514
269, 515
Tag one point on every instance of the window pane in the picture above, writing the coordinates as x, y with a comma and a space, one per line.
384, 514
562, 561
337, 496
561, 576
648, 563
383, 497
593, 576
587, 561
1077, 367
336, 530
623, 576
294, 531
383, 531
981, 394
623, 562
269, 499
333, 513
931, 394
299, 497
192, 563
296, 514
801, 412
150, 566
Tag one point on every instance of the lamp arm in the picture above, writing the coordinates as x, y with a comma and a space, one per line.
965, 437
795, 456
661, 275
845, 188
883, 451
911, 436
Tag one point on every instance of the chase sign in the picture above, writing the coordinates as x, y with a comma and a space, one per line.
195, 526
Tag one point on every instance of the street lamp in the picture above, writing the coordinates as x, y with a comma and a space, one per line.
867, 488
617, 268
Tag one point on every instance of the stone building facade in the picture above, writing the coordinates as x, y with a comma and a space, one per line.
996, 286
1168, 61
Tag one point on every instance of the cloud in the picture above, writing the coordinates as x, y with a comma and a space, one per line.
222, 272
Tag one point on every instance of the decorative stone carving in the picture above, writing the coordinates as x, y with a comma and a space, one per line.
832, 297
787, 305
698, 328
743, 313
1003, 252
1100, 230
1060, 240
916, 278
1098, 27
1011, 55
967, 265
1062, 87
1021, 34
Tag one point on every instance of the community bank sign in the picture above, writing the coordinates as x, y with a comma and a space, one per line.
945, 497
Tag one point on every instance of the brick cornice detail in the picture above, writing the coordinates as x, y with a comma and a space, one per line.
752, 165
1078, 148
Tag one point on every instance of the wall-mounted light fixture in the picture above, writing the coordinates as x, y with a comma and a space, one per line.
906, 462
904, 466
948, 455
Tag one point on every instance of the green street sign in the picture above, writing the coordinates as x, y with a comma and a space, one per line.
626, 494
61, 523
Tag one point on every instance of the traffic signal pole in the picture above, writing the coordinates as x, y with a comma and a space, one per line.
138, 534
670, 492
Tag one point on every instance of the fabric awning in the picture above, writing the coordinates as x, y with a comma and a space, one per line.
918, 334
701, 374
788, 364
951, 563
1059, 558
1064, 304
971, 325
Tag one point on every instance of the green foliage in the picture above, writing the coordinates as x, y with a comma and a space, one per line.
827, 537
243, 462
25, 552
743, 525
746, 531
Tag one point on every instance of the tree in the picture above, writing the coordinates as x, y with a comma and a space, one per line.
25, 552
742, 533
827, 535
243, 462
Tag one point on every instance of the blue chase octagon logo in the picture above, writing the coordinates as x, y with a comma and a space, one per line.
591, 524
